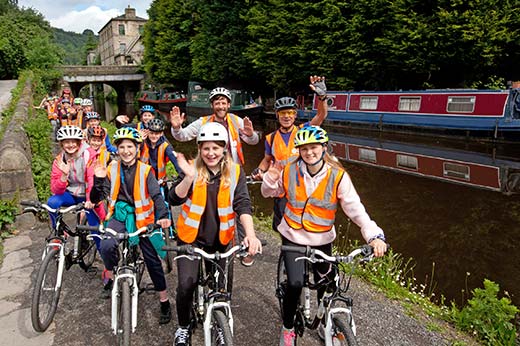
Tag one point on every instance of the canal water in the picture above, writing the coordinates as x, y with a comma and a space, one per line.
455, 235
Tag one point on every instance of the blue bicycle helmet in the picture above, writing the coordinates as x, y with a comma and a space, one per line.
147, 108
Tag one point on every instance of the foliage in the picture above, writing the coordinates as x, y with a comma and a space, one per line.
74, 46
8, 211
25, 42
487, 316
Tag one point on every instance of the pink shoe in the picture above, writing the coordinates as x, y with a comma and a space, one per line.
288, 337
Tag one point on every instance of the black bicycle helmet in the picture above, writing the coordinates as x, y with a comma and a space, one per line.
155, 125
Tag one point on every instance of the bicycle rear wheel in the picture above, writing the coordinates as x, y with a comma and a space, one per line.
46, 292
281, 283
220, 330
342, 333
124, 319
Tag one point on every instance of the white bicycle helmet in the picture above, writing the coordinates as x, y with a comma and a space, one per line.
219, 92
86, 102
69, 132
212, 132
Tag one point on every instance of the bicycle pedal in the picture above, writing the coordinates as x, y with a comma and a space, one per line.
149, 288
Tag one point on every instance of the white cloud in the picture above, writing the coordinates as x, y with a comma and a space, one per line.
78, 15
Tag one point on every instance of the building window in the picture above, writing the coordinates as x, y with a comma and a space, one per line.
368, 102
406, 161
454, 170
141, 29
465, 104
122, 48
368, 155
121, 29
407, 103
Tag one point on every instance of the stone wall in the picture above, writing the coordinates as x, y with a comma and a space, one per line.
15, 153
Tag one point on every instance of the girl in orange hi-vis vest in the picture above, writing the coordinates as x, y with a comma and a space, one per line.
134, 201
213, 192
315, 185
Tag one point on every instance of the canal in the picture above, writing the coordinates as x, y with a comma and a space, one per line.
456, 235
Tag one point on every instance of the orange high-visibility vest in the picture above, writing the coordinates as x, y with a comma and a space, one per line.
162, 159
314, 213
283, 153
189, 218
144, 207
233, 125
103, 155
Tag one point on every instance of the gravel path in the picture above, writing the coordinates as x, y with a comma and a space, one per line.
84, 319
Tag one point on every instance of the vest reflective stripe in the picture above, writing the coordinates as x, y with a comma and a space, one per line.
188, 222
233, 125
282, 152
316, 213
162, 159
144, 207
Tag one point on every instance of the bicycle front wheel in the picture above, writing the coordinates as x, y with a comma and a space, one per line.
46, 292
342, 333
87, 248
169, 254
281, 283
124, 319
220, 330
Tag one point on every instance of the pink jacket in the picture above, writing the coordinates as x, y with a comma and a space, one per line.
349, 201
83, 170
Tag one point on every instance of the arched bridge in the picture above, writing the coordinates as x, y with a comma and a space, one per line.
126, 80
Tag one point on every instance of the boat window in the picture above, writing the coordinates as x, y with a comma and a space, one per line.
406, 161
122, 29
454, 170
408, 103
368, 102
464, 104
368, 155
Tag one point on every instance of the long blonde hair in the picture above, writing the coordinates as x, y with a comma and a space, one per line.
225, 167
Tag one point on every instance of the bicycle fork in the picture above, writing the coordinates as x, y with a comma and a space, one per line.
115, 294
209, 314
328, 326
61, 260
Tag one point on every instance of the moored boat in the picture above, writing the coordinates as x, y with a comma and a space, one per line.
163, 100
472, 168
489, 111
242, 102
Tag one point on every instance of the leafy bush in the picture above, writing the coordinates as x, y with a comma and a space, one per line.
488, 317
7, 215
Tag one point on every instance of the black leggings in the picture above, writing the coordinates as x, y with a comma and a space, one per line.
188, 273
295, 279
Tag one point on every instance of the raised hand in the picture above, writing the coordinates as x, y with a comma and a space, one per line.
187, 168
275, 170
123, 119
318, 85
64, 167
100, 170
144, 133
248, 127
176, 118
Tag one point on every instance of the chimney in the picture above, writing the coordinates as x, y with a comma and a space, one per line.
129, 12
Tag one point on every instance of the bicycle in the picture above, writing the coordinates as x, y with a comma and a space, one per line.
170, 235
212, 300
47, 289
127, 279
335, 308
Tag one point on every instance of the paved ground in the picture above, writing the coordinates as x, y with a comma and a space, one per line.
5, 92
84, 319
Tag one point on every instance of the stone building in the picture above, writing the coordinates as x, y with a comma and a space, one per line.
120, 40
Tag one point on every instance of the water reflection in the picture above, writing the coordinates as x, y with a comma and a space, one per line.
459, 228
109, 111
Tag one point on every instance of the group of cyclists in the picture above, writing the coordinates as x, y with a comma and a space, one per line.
306, 181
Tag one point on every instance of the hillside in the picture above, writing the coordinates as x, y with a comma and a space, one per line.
75, 45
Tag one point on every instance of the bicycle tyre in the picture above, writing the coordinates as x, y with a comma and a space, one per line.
45, 295
342, 332
125, 315
281, 283
220, 330
88, 249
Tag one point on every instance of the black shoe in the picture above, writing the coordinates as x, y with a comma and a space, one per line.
107, 289
166, 312
68, 261
182, 337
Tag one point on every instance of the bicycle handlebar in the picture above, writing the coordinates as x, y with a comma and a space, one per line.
146, 231
192, 251
36, 206
310, 254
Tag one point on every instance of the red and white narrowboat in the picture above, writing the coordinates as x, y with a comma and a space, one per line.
457, 166
447, 109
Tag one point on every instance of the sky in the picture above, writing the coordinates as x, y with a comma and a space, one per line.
78, 15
